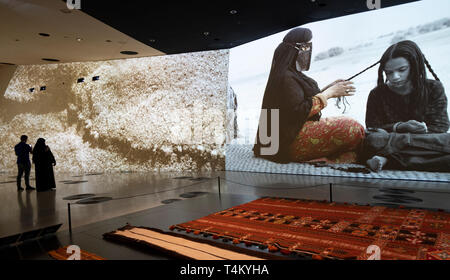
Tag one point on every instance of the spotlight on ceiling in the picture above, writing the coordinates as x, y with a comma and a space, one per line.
44, 34
79, 39
128, 52
95, 78
233, 12
80, 80
43, 88
31, 89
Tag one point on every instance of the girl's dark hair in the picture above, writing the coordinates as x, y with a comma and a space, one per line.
417, 61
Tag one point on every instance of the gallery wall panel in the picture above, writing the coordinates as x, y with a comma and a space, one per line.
138, 114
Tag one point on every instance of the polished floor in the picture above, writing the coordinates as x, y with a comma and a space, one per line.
130, 192
162, 199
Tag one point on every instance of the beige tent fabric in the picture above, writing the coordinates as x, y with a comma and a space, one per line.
182, 246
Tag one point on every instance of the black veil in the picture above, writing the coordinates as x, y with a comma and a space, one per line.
290, 91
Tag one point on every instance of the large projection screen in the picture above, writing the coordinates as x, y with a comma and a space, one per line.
342, 47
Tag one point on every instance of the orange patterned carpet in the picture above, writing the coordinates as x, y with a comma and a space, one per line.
330, 230
61, 254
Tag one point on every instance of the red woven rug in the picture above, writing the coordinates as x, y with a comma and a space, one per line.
330, 230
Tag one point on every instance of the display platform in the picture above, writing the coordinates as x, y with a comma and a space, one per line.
90, 237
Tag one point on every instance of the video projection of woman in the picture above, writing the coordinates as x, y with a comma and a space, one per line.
303, 136
349, 48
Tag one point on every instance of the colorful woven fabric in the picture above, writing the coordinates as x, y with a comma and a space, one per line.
317, 106
331, 230
333, 140
61, 254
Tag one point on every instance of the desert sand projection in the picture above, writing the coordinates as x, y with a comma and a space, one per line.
163, 113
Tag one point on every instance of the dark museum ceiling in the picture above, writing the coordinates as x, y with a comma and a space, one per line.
187, 26
46, 31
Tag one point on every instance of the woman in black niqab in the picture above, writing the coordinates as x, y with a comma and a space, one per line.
298, 100
44, 161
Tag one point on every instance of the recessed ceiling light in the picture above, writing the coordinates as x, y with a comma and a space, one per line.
322, 14
109, 41
206, 33
80, 80
31, 89
320, 4
233, 12
43, 88
152, 40
79, 39
128, 52
50, 59
44, 34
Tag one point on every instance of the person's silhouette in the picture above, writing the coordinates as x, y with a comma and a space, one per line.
44, 161
23, 151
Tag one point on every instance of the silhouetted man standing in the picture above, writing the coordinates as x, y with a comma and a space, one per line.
23, 151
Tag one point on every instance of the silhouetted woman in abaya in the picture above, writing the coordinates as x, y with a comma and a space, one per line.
291, 111
44, 161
